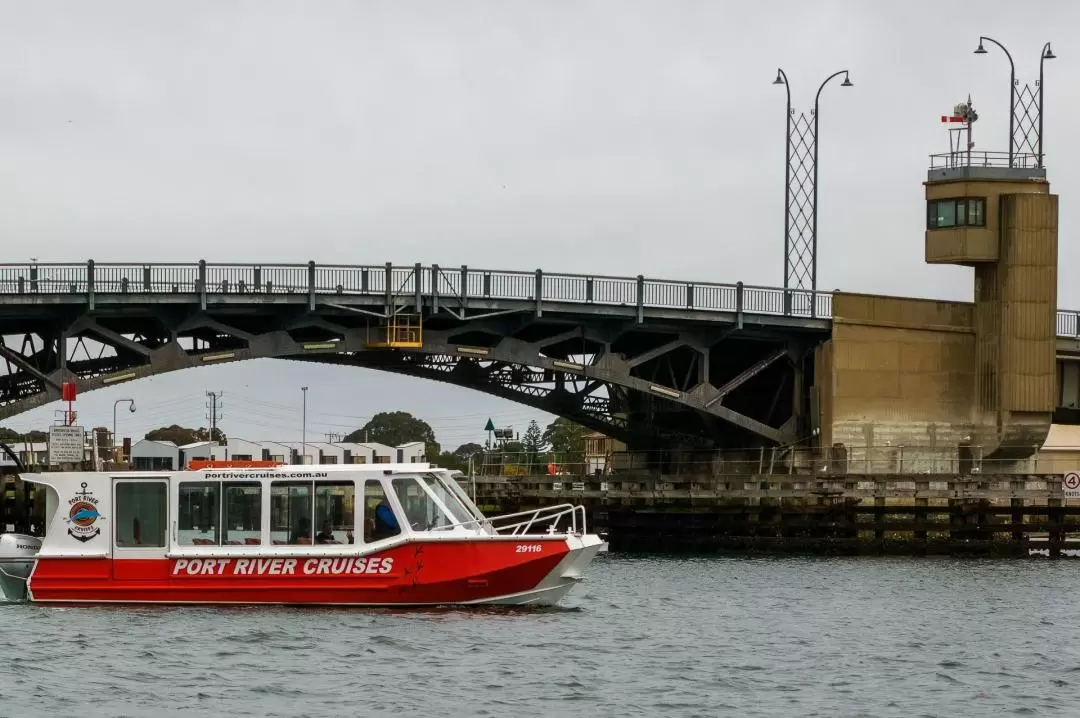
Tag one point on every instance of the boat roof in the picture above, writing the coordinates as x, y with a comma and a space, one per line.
285, 471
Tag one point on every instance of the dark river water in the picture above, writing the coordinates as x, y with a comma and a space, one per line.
643, 637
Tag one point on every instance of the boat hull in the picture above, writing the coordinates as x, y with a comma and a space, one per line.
536, 571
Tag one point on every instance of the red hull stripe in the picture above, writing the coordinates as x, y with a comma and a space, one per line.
415, 573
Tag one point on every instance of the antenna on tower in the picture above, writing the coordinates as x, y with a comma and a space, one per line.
961, 139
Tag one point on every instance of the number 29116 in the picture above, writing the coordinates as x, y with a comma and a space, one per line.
528, 548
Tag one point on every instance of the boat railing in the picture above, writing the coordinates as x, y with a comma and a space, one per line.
548, 515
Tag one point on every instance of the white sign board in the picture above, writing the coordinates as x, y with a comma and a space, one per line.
66, 444
1070, 485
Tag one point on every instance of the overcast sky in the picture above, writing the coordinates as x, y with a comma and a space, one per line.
614, 137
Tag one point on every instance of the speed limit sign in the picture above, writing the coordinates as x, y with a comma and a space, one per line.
1071, 485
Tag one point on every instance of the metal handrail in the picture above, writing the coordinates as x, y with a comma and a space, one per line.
983, 158
460, 283
520, 528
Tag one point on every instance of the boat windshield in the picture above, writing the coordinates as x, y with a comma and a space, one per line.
456, 500
428, 505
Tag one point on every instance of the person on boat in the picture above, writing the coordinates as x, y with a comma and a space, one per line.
302, 533
386, 524
326, 534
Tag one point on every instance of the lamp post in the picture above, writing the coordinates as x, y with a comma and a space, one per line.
1047, 54
131, 408
980, 50
801, 138
303, 434
781, 79
1015, 105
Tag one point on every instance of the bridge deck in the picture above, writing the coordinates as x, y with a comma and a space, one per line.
709, 361
375, 286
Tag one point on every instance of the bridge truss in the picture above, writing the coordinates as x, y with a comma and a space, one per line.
650, 362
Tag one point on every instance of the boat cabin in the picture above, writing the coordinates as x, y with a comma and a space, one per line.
265, 510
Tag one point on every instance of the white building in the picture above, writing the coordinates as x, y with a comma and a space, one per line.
244, 450
274, 451
414, 452
151, 455
329, 453
366, 452
193, 451
303, 453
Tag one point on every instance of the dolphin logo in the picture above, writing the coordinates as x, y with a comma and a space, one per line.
84, 514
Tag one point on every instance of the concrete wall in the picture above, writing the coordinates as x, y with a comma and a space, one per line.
897, 373
1015, 312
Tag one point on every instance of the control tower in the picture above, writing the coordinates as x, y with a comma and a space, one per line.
993, 211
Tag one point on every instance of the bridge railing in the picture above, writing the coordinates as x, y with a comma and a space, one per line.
462, 283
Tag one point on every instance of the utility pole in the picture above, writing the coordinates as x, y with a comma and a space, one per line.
214, 407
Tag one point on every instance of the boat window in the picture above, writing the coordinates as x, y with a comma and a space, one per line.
241, 514
141, 508
198, 514
421, 510
458, 512
290, 512
211, 513
462, 497
334, 512
380, 519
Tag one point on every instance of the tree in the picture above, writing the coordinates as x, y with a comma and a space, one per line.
450, 460
466, 450
395, 428
567, 441
533, 443
181, 435
34, 436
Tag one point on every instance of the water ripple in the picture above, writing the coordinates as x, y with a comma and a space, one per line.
644, 637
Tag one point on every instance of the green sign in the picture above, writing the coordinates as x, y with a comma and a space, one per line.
489, 426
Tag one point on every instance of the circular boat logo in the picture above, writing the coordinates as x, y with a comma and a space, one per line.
82, 515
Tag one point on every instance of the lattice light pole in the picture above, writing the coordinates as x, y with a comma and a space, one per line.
800, 189
1026, 108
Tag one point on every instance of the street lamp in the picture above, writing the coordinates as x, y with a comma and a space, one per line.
303, 435
980, 50
782, 79
131, 408
1046, 54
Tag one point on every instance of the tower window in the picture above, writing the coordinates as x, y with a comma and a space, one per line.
956, 212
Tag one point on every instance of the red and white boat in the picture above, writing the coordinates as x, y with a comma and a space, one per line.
348, 535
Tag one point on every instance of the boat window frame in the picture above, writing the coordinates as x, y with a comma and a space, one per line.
418, 479
463, 497
463, 522
222, 484
384, 482
168, 526
330, 479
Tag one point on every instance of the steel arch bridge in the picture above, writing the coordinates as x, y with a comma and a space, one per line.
655, 363
643, 360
